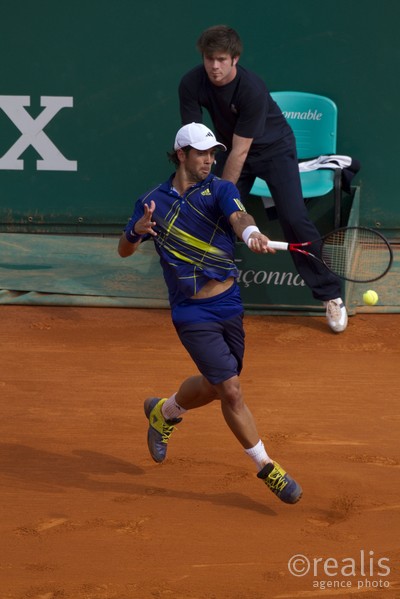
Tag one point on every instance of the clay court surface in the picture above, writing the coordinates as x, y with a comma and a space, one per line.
86, 514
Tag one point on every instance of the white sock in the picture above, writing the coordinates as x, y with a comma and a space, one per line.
259, 455
171, 410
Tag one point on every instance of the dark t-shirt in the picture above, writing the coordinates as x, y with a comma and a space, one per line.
244, 106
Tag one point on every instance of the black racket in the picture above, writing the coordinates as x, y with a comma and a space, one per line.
357, 254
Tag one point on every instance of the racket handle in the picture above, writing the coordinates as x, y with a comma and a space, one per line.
278, 245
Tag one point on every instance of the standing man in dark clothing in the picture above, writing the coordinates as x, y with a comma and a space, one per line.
261, 144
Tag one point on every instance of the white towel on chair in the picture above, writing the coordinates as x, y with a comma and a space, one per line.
329, 161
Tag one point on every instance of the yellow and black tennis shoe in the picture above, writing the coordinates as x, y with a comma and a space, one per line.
280, 483
159, 430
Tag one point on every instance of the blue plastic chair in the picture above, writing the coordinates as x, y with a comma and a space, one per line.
313, 119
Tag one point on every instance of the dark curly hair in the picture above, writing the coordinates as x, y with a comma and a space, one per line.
173, 156
220, 38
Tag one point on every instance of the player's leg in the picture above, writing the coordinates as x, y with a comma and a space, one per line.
236, 413
165, 413
241, 422
217, 348
194, 392
205, 343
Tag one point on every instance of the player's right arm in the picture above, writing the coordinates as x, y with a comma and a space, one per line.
228, 199
243, 222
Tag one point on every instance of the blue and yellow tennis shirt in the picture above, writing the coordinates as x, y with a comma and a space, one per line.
195, 240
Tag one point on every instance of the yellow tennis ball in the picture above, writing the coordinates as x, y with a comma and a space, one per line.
370, 297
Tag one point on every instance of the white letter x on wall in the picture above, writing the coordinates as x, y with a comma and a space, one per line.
33, 135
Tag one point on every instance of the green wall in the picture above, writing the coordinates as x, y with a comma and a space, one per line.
120, 61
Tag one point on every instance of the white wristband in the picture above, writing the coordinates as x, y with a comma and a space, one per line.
247, 232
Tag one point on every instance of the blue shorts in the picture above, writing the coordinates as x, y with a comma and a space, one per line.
216, 347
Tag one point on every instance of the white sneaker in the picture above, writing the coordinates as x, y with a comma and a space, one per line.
336, 315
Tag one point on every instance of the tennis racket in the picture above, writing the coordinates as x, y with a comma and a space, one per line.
357, 254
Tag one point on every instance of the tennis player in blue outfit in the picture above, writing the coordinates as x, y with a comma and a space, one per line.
194, 219
261, 144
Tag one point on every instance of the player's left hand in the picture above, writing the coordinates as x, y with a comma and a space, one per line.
144, 226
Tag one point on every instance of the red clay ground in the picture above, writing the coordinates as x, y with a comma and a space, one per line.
86, 514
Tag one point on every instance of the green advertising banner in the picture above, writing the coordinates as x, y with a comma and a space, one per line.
89, 106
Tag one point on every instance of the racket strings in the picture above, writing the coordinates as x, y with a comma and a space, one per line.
357, 254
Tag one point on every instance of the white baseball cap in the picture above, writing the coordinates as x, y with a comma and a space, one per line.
197, 136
